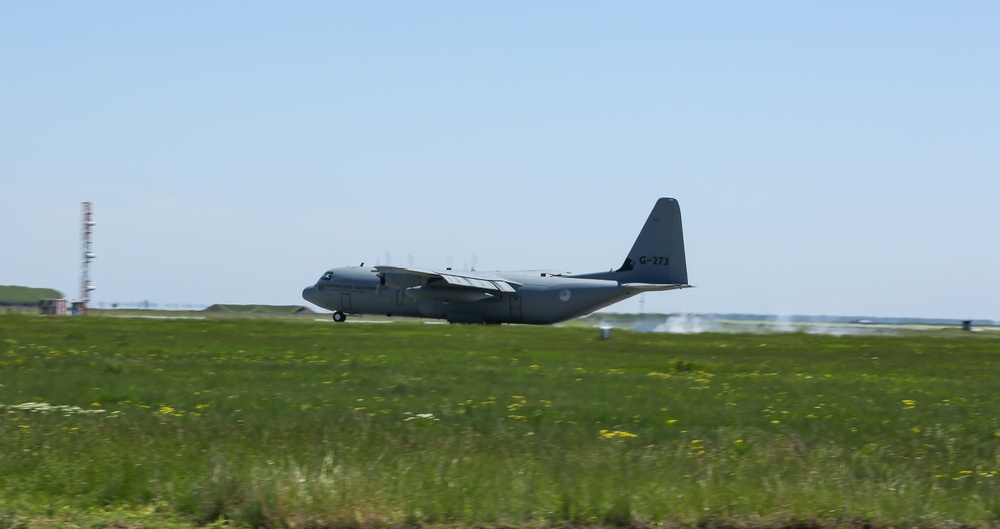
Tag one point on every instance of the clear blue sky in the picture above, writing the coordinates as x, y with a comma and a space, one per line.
830, 158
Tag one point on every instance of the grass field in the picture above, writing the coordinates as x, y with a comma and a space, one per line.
294, 423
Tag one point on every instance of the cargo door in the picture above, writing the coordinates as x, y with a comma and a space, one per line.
515, 308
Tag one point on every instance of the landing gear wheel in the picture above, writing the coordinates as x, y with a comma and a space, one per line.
339, 317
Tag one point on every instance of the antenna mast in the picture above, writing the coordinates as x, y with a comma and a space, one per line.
87, 255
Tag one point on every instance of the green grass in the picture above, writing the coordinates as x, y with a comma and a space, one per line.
255, 309
285, 423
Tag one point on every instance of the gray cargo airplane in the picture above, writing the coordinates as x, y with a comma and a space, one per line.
656, 262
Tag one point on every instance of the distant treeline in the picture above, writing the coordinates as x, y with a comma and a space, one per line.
258, 309
12, 295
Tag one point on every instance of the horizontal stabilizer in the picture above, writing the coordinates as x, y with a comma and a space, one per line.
653, 287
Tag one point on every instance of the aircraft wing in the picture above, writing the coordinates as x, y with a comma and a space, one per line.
412, 277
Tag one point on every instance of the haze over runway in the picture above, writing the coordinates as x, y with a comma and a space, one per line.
835, 159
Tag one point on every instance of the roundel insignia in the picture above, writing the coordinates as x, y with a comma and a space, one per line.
564, 294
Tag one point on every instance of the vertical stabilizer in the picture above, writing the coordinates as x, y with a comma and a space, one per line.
657, 256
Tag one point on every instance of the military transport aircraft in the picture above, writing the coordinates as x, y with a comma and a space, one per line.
656, 262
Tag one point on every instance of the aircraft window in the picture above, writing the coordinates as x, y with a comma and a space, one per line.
328, 276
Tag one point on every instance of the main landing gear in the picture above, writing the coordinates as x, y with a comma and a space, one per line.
339, 317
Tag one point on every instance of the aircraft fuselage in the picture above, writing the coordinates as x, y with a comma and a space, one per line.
656, 262
539, 297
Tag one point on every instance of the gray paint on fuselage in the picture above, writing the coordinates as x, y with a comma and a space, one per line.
655, 262
542, 298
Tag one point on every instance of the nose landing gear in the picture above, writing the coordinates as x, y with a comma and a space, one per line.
339, 317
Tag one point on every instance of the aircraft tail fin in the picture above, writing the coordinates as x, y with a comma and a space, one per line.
657, 256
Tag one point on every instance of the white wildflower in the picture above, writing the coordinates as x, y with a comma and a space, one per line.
419, 416
45, 408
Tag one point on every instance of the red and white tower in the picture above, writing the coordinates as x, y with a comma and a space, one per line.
87, 255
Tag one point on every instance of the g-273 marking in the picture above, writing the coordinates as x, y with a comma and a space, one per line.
655, 260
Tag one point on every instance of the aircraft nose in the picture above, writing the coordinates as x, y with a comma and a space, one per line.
309, 294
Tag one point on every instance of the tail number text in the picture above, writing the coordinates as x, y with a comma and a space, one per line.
654, 260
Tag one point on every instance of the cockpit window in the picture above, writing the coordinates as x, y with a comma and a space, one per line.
327, 276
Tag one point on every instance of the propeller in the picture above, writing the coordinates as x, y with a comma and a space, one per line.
466, 267
381, 275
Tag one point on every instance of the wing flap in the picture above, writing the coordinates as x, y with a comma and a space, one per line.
477, 283
411, 277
